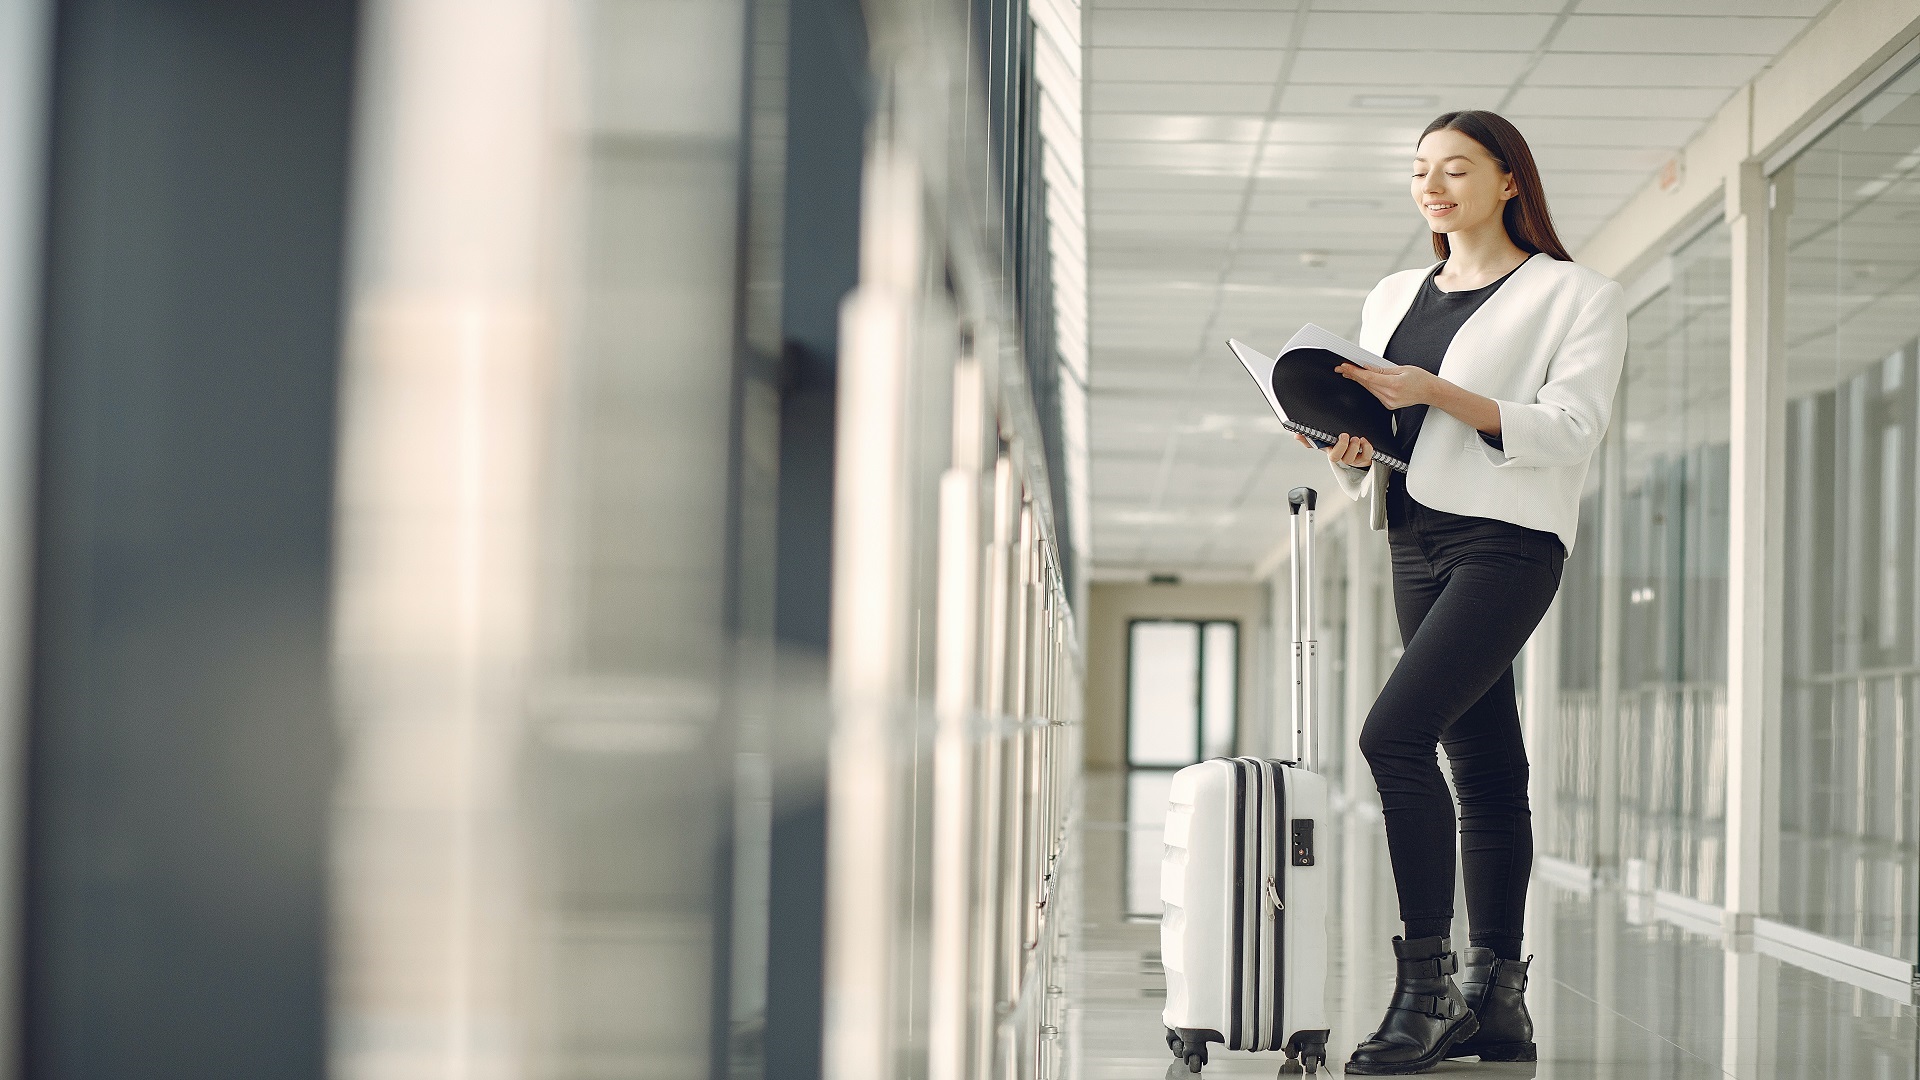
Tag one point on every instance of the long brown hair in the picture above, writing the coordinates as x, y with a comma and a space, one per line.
1529, 223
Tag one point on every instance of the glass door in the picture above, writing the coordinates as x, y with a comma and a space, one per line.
1183, 691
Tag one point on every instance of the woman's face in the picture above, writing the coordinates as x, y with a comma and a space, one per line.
1456, 183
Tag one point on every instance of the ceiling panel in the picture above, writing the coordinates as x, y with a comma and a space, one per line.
1178, 97
1609, 69
1183, 157
1210, 215
1380, 68
1688, 103
1150, 127
1612, 159
1424, 31
1760, 37
1606, 131
1542, 7
1185, 65
1176, 27
1119, 178
1162, 200
1413, 105
1804, 9
1224, 5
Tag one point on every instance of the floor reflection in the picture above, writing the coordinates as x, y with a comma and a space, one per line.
1612, 998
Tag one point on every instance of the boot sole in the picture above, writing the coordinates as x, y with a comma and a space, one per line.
1464, 1031
1514, 1051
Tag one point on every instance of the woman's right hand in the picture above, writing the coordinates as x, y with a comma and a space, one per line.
1346, 450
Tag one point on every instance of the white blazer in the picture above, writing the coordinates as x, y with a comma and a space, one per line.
1548, 347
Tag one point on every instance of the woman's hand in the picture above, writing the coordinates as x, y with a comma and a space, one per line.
1407, 385
1345, 451
1397, 387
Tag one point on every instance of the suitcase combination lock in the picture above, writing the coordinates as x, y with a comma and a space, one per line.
1303, 841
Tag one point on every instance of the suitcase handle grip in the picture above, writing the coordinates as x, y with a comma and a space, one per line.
1305, 726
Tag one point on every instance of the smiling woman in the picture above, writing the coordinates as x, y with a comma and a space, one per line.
1531, 347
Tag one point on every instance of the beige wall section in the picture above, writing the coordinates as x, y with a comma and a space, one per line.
1111, 605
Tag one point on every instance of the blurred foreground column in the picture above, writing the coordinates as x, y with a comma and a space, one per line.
555, 473
446, 399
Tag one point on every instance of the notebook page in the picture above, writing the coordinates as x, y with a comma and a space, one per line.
1313, 336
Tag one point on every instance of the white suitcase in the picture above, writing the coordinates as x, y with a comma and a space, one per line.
1243, 935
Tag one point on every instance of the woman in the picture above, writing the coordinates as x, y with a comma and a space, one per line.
1507, 357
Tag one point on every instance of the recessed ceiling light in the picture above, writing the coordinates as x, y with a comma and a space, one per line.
1396, 101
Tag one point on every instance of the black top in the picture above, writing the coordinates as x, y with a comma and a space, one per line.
1422, 338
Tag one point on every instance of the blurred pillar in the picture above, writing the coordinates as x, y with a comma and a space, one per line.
181, 748
25, 43
446, 402
555, 609
829, 100
1755, 571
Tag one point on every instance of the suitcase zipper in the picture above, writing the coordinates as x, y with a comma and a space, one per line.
1273, 900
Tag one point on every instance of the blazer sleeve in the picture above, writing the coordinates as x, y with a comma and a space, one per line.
1569, 416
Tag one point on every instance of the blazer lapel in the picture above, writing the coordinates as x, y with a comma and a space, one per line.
1374, 338
1458, 365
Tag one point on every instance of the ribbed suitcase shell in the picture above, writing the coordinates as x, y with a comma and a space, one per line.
1246, 964
1243, 934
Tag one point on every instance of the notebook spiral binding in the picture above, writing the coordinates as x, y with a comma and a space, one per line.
1388, 460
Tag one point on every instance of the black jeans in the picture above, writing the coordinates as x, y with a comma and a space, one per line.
1468, 592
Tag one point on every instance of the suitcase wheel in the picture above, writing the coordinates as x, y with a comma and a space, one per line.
1195, 1061
1174, 1044
1306, 1055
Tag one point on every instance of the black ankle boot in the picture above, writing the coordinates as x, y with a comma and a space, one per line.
1495, 991
1427, 1017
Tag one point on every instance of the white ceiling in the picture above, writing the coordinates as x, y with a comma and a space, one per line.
1227, 137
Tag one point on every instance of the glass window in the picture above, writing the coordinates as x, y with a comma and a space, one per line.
1643, 600
1849, 206
1673, 411
1575, 777
1183, 682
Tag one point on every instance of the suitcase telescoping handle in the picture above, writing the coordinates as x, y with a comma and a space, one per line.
1305, 725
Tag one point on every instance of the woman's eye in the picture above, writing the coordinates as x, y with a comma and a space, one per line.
1456, 174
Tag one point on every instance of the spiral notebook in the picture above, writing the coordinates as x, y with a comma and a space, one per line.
1310, 397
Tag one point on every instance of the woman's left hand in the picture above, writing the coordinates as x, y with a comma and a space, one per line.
1397, 387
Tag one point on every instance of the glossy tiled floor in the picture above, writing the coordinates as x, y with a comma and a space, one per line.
1611, 997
